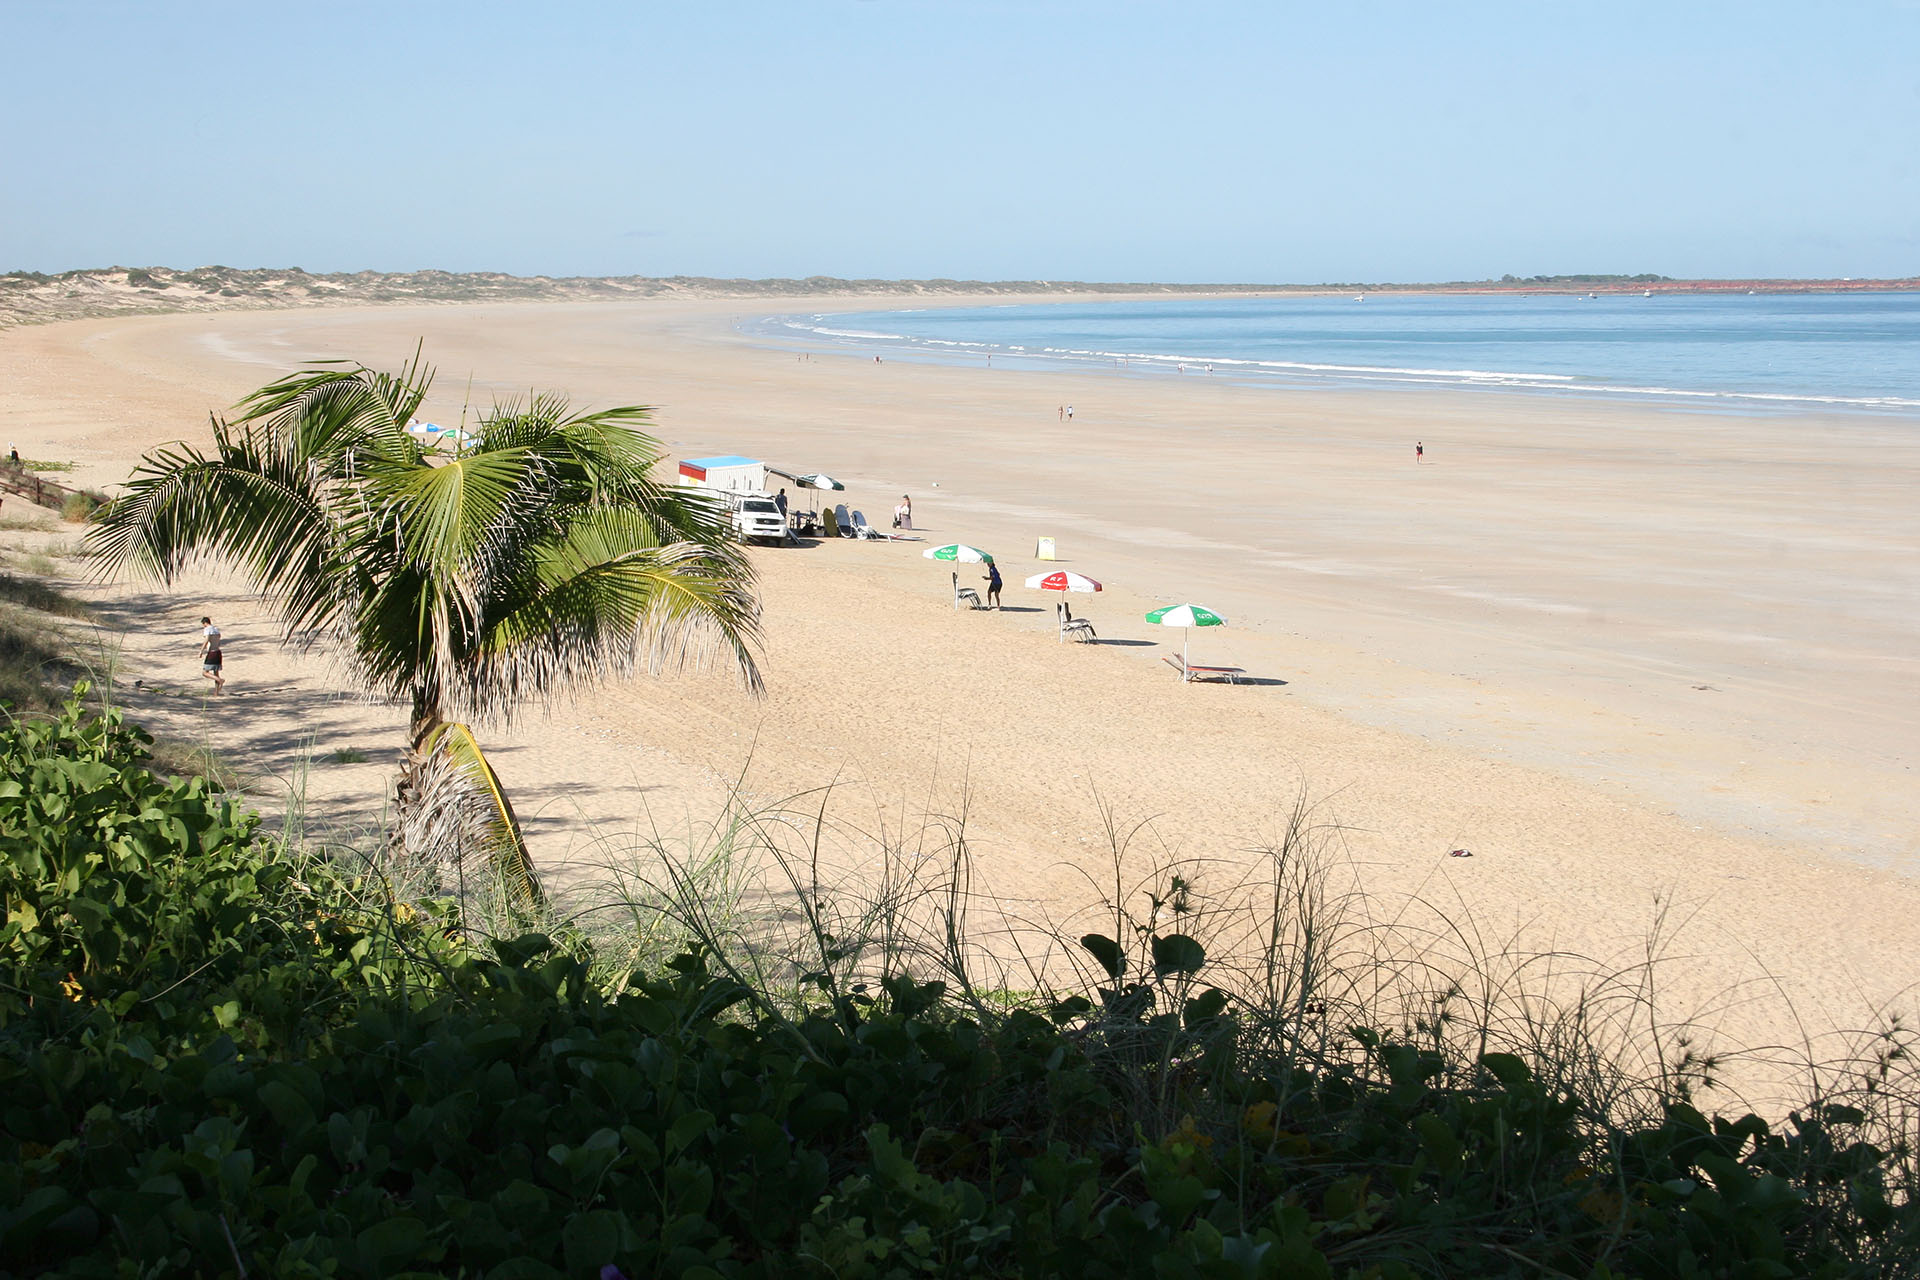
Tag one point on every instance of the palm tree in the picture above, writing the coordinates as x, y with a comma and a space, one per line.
536, 557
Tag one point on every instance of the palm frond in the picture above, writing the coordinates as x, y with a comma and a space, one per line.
334, 405
245, 506
456, 816
601, 605
445, 513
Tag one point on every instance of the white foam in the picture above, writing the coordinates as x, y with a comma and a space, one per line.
1411, 375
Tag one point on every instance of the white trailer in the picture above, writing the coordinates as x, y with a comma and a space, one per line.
729, 473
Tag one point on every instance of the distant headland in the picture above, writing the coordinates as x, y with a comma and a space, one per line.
31, 297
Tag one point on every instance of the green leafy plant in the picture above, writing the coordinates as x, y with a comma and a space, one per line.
219, 1054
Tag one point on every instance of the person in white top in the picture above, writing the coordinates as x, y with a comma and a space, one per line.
210, 656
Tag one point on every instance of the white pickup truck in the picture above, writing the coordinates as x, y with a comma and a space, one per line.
757, 518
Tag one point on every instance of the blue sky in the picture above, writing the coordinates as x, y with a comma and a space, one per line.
1049, 139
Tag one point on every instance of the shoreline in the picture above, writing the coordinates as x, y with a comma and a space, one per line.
1502, 649
1278, 375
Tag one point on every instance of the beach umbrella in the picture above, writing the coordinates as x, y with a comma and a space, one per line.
1062, 580
959, 553
1185, 616
433, 435
818, 480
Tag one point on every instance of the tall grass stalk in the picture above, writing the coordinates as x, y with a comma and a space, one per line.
808, 910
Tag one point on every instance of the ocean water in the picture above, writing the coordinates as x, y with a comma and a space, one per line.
1820, 351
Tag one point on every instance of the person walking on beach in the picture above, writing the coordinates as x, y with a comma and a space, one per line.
210, 656
1069, 413
903, 514
1419, 452
993, 585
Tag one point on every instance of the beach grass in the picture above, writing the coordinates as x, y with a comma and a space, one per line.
38, 656
1232, 1009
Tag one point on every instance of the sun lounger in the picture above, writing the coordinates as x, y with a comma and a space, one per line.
861, 529
966, 596
1194, 671
1079, 628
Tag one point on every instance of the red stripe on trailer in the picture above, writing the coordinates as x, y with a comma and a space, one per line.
692, 472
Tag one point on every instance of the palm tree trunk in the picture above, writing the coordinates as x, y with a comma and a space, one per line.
409, 791
454, 812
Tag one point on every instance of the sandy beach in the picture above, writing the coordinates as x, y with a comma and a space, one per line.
1626, 655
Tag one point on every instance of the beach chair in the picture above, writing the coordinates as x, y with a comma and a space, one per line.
1191, 671
841, 518
861, 529
964, 597
1079, 628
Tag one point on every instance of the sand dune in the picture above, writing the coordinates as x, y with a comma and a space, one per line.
1625, 655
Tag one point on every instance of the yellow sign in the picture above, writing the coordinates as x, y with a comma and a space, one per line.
1043, 550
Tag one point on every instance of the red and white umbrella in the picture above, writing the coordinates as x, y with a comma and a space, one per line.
1062, 580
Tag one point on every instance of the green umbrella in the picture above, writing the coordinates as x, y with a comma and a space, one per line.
1185, 616
959, 553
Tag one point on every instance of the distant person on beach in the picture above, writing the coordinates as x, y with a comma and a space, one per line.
1069, 413
1419, 452
13, 456
1061, 413
210, 655
903, 514
993, 585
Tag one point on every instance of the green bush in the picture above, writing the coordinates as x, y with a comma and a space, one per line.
218, 1056
78, 507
